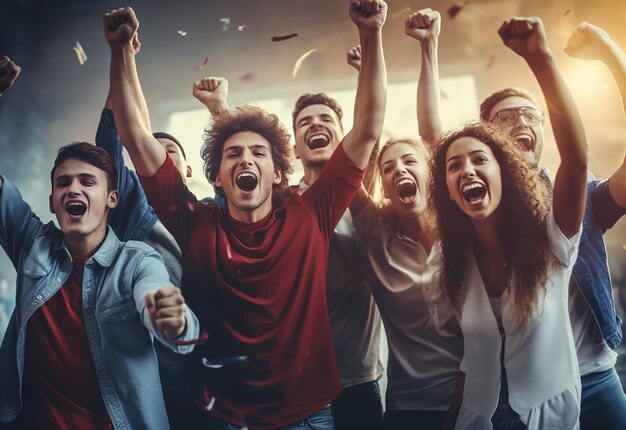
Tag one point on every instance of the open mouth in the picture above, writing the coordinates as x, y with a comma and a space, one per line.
474, 192
76, 208
406, 189
246, 181
317, 141
526, 140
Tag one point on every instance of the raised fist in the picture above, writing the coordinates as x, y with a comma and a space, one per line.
354, 57
368, 14
211, 91
588, 42
525, 36
423, 25
120, 26
8, 73
166, 307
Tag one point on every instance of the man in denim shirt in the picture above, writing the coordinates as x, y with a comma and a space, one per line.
595, 325
78, 352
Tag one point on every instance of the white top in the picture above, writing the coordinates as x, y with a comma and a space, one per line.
540, 359
354, 318
423, 365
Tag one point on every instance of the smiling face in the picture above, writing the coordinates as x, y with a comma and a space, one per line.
317, 134
473, 177
81, 201
528, 133
404, 174
247, 175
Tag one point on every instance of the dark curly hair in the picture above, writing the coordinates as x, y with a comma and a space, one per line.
316, 99
522, 232
256, 120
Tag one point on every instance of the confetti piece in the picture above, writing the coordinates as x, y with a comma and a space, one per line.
210, 405
228, 252
492, 60
567, 12
242, 27
454, 10
204, 336
281, 38
401, 12
247, 77
80, 53
443, 94
201, 66
225, 23
298, 65
218, 363
182, 33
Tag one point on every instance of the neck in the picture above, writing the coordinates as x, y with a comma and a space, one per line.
250, 216
86, 246
311, 174
487, 242
418, 227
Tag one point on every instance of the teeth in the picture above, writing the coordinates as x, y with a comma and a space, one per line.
245, 174
404, 181
471, 187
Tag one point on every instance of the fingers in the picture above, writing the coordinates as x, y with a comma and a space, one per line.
209, 83
368, 6
9, 72
167, 310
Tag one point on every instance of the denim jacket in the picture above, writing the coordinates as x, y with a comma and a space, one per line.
119, 331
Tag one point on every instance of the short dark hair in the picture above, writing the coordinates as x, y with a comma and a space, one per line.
164, 135
316, 99
92, 154
495, 98
255, 120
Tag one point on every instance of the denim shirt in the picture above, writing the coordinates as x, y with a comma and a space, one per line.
119, 331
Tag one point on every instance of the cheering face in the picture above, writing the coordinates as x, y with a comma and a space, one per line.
317, 133
405, 175
522, 120
247, 174
80, 199
473, 178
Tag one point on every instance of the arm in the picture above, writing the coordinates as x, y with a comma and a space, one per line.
129, 106
589, 42
369, 107
526, 37
212, 92
424, 26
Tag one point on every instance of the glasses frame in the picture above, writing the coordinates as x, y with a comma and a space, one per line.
519, 111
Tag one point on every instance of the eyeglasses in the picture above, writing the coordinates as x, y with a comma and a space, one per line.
510, 115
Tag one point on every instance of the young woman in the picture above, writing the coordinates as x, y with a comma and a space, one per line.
507, 260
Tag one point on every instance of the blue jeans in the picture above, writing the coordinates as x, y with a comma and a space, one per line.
320, 420
359, 407
603, 402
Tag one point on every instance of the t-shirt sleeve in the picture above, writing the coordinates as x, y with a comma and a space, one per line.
564, 249
333, 191
605, 210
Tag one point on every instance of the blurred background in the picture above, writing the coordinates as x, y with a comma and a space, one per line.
56, 100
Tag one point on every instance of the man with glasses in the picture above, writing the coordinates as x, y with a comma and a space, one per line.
595, 325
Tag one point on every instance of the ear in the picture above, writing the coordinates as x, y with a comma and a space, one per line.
218, 181
50, 203
295, 152
189, 171
113, 199
278, 175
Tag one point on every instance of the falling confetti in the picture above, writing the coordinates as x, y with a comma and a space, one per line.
298, 65
567, 12
492, 60
218, 363
401, 12
242, 27
211, 403
454, 10
443, 94
182, 33
201, 66
80, 53
281, 38
247, 77
225, 23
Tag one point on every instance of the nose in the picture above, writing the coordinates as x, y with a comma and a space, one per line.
468, 171
521, 121
74, 188
246, 158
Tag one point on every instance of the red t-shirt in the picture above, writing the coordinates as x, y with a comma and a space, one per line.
61, 389
260, 290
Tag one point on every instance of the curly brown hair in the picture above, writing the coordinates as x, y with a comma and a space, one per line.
522, 232
256, 120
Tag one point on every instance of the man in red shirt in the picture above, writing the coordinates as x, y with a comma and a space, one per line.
258, 267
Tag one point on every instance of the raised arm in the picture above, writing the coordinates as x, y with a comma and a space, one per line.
527, 38
589, 42
369, 106
212, 92
424, 26
129, 106
9, 72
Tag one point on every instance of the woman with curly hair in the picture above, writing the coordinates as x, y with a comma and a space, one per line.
507, 260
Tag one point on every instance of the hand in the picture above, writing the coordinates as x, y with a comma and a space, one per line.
8, 73
211, 91
423, 25
354, 57
368, 14
588, 42
167, 311
120, 26
525, 36
136, 44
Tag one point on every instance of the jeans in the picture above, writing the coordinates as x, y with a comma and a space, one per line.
603, 402
320, 420
359, 407
422, 420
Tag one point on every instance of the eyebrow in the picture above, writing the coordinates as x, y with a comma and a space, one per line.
402, 156
471, 153
79, 176
240, 147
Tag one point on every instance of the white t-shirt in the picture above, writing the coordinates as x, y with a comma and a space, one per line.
540, 358
423, 365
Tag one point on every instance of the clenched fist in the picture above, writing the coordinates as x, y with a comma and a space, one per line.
525, 36
423, 25
166, 307
368, 14
120, 26
8, 73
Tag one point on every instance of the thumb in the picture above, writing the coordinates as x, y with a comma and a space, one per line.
150, 301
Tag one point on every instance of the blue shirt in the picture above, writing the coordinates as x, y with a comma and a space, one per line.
119, 331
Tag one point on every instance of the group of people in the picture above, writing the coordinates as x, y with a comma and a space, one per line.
490, 279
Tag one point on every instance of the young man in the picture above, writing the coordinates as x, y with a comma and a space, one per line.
78, 352
258, 268
595, 325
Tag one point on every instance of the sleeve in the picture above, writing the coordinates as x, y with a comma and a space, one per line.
150, 275
19, 226
365, 219
329, 197
133, 218
564, 249
606, 211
